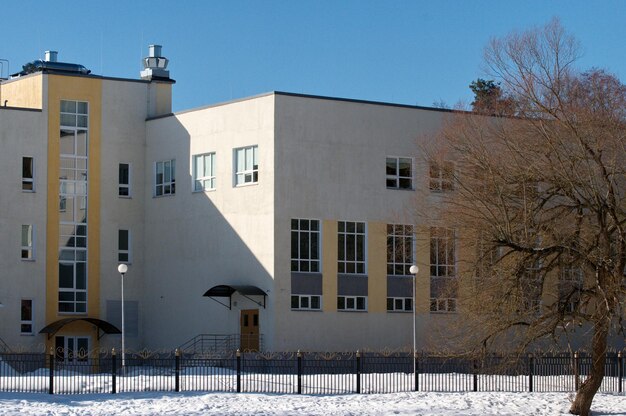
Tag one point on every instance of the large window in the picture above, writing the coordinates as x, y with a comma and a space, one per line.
399, 249
352, 303
399, 172
28, 239
246, 165
124, 179
165, 178
441, 176
443, 282
123, 246
28, 174
26, 313
305, 245
306, 302
204, 172
351, 247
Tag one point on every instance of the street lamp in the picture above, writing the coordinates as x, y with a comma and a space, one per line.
414, 270
122, 269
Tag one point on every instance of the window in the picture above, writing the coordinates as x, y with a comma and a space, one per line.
399, 249
570, 287
28, 248
28, 174
306, 302
351, 247
443, 282
204, 172
441, 176
124, 180
399, 304
399, 172
352, 303
305, 245
26, 322
165, 178
123, 246
531, 286
246, 165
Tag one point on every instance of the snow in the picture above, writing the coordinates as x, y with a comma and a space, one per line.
416, 403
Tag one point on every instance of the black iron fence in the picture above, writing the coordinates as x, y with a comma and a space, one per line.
300, 373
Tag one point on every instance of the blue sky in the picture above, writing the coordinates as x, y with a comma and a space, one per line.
408, 52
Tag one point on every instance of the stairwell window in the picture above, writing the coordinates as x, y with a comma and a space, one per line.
123, 246
124, 180
28, 238
26, 313
165, 177
28, 174
246, 165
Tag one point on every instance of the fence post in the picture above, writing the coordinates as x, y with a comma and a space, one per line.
238, 371
416, 371
576, 371
358, 372
177, 370
475, 376
299, 357
51, 368
113, 371
620, 371
531, 370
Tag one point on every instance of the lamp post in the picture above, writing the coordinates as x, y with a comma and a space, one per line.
122, 269
414, 270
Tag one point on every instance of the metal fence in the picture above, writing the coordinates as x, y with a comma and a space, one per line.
300, 373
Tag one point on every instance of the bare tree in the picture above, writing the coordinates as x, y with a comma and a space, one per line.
540, 204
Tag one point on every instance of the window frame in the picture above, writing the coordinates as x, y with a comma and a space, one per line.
121, 252
355, 302
25, 179
309, 300
438, 237
28, 246
297, 263
396, 176
26, 321
201, 180
343, 260
126, 186
247, 171
406, 232
165, 184
394, 303
437, 180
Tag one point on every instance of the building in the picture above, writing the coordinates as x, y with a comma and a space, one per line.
293, 215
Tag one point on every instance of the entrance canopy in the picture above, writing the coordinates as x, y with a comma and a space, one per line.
103, 326
225, 291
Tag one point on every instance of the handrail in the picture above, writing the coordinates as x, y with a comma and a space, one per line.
211, 343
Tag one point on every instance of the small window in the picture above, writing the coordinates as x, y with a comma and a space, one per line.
28, 252
165, 178
28, 174
441, 176
246, 165
123, 246
204, 172
352, 303
124, 179
399, 173
399, 304
443, 305
26, 322
306, 302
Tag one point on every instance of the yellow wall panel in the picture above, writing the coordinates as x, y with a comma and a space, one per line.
24, 92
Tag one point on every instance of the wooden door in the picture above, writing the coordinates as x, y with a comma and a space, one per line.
250, 330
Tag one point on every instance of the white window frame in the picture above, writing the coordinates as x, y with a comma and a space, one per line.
121, 186
444, 269
438, 182
443, 305
28, 181
124, 253
165, 187
200, 181
26, 322
399, 304
305, 302
248, 174
28, 245
394, 177
397, 237
311, 261
354, 301
345, 265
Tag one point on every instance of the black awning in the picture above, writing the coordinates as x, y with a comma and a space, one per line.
226, 291
105, 326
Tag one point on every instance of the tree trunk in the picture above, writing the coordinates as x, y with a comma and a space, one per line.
588, 389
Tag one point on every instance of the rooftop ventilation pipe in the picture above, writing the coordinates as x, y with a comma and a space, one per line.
51, 56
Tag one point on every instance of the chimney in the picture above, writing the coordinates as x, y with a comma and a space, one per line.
51, 56
155, 65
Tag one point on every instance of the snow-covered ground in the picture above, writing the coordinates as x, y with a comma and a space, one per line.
418, 403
